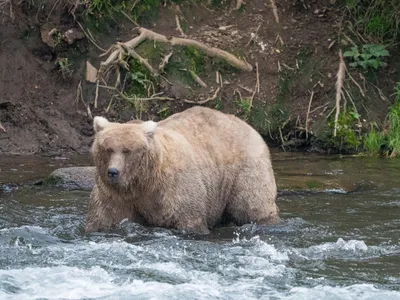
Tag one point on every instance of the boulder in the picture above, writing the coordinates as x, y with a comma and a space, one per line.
81, 178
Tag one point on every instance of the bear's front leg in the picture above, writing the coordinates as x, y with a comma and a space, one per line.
104, 212
194, 225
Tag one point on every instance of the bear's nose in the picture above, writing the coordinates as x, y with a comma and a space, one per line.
113, 173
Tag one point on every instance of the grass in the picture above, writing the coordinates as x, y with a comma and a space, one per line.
65, 66
394, 121
388, 142
377, 18
374, 141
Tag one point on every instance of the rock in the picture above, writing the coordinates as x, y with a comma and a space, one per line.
72, 35
47, 34
80, 178
91, 73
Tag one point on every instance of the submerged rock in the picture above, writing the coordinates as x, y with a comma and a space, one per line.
82, 178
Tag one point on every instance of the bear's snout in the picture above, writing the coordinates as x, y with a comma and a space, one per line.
113, 174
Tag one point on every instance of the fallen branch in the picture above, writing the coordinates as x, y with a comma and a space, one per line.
339, 85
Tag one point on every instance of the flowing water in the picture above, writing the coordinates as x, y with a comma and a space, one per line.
330, 245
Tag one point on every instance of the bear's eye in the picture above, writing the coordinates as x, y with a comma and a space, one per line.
126, 151
109, 150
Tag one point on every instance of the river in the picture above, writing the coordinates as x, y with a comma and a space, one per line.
334, 243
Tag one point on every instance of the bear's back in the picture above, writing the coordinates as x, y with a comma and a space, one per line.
216, 131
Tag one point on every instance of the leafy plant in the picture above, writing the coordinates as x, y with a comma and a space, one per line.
65, 67
370, 56
244, 107
346, 135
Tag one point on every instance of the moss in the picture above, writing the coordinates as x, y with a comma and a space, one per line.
183, 60
313, 184
152, 51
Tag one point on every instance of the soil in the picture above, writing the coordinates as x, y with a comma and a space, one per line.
41, 112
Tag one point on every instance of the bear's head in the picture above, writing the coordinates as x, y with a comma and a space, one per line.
122, 152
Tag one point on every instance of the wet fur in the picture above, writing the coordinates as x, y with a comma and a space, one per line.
185, 172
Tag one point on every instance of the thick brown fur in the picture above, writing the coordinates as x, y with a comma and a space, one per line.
185, 172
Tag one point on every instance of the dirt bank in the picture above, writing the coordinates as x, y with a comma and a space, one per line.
296, 56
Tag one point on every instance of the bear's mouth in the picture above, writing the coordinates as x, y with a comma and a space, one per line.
113, 180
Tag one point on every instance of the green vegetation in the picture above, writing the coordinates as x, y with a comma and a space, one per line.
374, 140
370, 56
65, 66
348, 136
377, 18
394, 122
386, 142
164, 112
244, 106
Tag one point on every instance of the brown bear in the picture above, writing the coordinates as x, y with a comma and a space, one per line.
187, 172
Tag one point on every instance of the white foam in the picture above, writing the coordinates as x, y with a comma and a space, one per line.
357, 291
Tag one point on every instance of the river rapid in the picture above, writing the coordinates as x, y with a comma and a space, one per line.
332, 244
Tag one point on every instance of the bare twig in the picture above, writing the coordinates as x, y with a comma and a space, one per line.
308, 112
246, 88
2, 128
256, 88
136, 56
129, 18
97, 94
3, 3
319, 107
178, 26
239, 4
213, 97
275, 11
89, 38
197, 78
258, 79
339, 85
356, 83
165, 61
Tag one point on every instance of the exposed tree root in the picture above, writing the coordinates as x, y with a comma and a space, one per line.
145, 34
339, 86
2, 128
119, 54
308, 112
159, 97
239, 4
178, 26
165, 61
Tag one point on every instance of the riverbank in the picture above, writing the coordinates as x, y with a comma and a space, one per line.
284, 84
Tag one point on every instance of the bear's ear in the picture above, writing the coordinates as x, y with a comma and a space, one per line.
149, 127
99, 123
